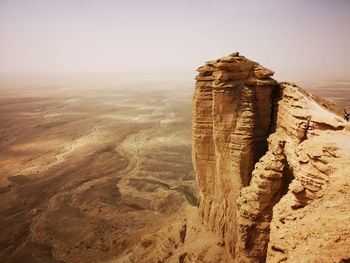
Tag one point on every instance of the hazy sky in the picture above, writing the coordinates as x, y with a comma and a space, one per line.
291, 37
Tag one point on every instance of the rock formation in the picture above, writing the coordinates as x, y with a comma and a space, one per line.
271, 161
232, 117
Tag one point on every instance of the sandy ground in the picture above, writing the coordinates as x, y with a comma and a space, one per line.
88, 169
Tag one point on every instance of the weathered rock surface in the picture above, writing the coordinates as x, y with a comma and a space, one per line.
271, 164
232, 117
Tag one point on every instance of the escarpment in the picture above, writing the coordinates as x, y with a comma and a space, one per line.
232, 117
271, 164
254, 141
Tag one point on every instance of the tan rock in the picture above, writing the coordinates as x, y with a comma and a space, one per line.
262, 73
248, 177
271, 166
234, 54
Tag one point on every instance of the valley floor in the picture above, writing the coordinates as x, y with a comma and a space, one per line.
87, 171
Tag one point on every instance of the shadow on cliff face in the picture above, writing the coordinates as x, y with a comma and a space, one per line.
288, 173
288, 176
276, 97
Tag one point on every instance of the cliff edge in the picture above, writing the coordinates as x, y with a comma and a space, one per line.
271, 166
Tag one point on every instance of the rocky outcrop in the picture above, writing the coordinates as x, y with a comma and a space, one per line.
271, 166
251, 142
232, 117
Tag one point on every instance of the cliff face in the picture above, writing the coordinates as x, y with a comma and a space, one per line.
272, 172
254, 141
232, 117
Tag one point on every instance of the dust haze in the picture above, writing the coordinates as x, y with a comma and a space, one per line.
88, 168
86, 171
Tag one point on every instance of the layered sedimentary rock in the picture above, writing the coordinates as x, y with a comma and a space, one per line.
232, 117
251, 139
271, 163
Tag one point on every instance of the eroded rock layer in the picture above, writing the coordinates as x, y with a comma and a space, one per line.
251, 141
271, 163
232, 117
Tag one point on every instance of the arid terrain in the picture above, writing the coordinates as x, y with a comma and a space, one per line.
271, 164
88, 169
